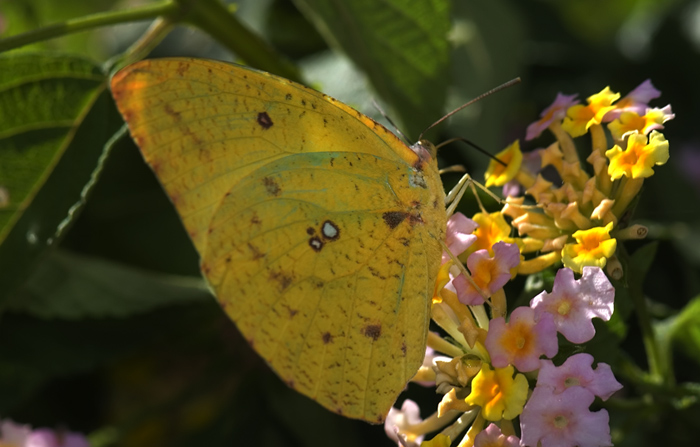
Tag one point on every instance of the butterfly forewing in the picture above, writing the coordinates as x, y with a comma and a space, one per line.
317, 229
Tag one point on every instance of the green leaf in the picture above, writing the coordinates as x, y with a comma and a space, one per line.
401, 45
56, 118
640, 261
26, 15
684, 329
71, 286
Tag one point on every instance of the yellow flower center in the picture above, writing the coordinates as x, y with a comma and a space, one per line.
492, 228
572, 381
561, 421
630, 157
564, 308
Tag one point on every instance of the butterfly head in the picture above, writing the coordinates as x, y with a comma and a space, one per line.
425, 150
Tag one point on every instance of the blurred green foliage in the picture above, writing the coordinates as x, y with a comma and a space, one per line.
105, 327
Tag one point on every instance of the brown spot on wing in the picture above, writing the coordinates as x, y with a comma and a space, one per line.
327, 338
281, 279
264, 120
372, 331
257, 254
182, 68
170, 111
394, 218
271, 186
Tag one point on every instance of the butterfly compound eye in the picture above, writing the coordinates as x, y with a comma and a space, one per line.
425, 150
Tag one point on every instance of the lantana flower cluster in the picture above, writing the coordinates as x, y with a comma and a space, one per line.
487, 375
572, 214
499, 384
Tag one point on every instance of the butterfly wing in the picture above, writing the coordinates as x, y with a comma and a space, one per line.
318, 230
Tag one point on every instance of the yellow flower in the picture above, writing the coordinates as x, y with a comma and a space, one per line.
639, 158
593, 248
629, 122
579, 118
497, 174
441, 281
498, 393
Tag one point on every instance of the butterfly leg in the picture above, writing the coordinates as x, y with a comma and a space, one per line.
467, 182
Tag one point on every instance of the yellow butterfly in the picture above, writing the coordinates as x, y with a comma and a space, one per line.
318, 229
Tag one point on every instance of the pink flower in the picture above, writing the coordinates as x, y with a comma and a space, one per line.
577, 371
13, 434
489, 274
573, 304
493, 437
556, 111
17, 435
563, 420
522, 341
398, 422
459, 235
44, 437
635, 101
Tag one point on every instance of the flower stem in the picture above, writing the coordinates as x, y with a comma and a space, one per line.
140, 49
86, 23
566, 144
655, 360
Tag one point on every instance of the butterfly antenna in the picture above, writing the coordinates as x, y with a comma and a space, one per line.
386, 117
510, 83
475, 146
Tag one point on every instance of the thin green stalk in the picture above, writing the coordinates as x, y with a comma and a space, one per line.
88, 22
142, 47
651, 346
212, 17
